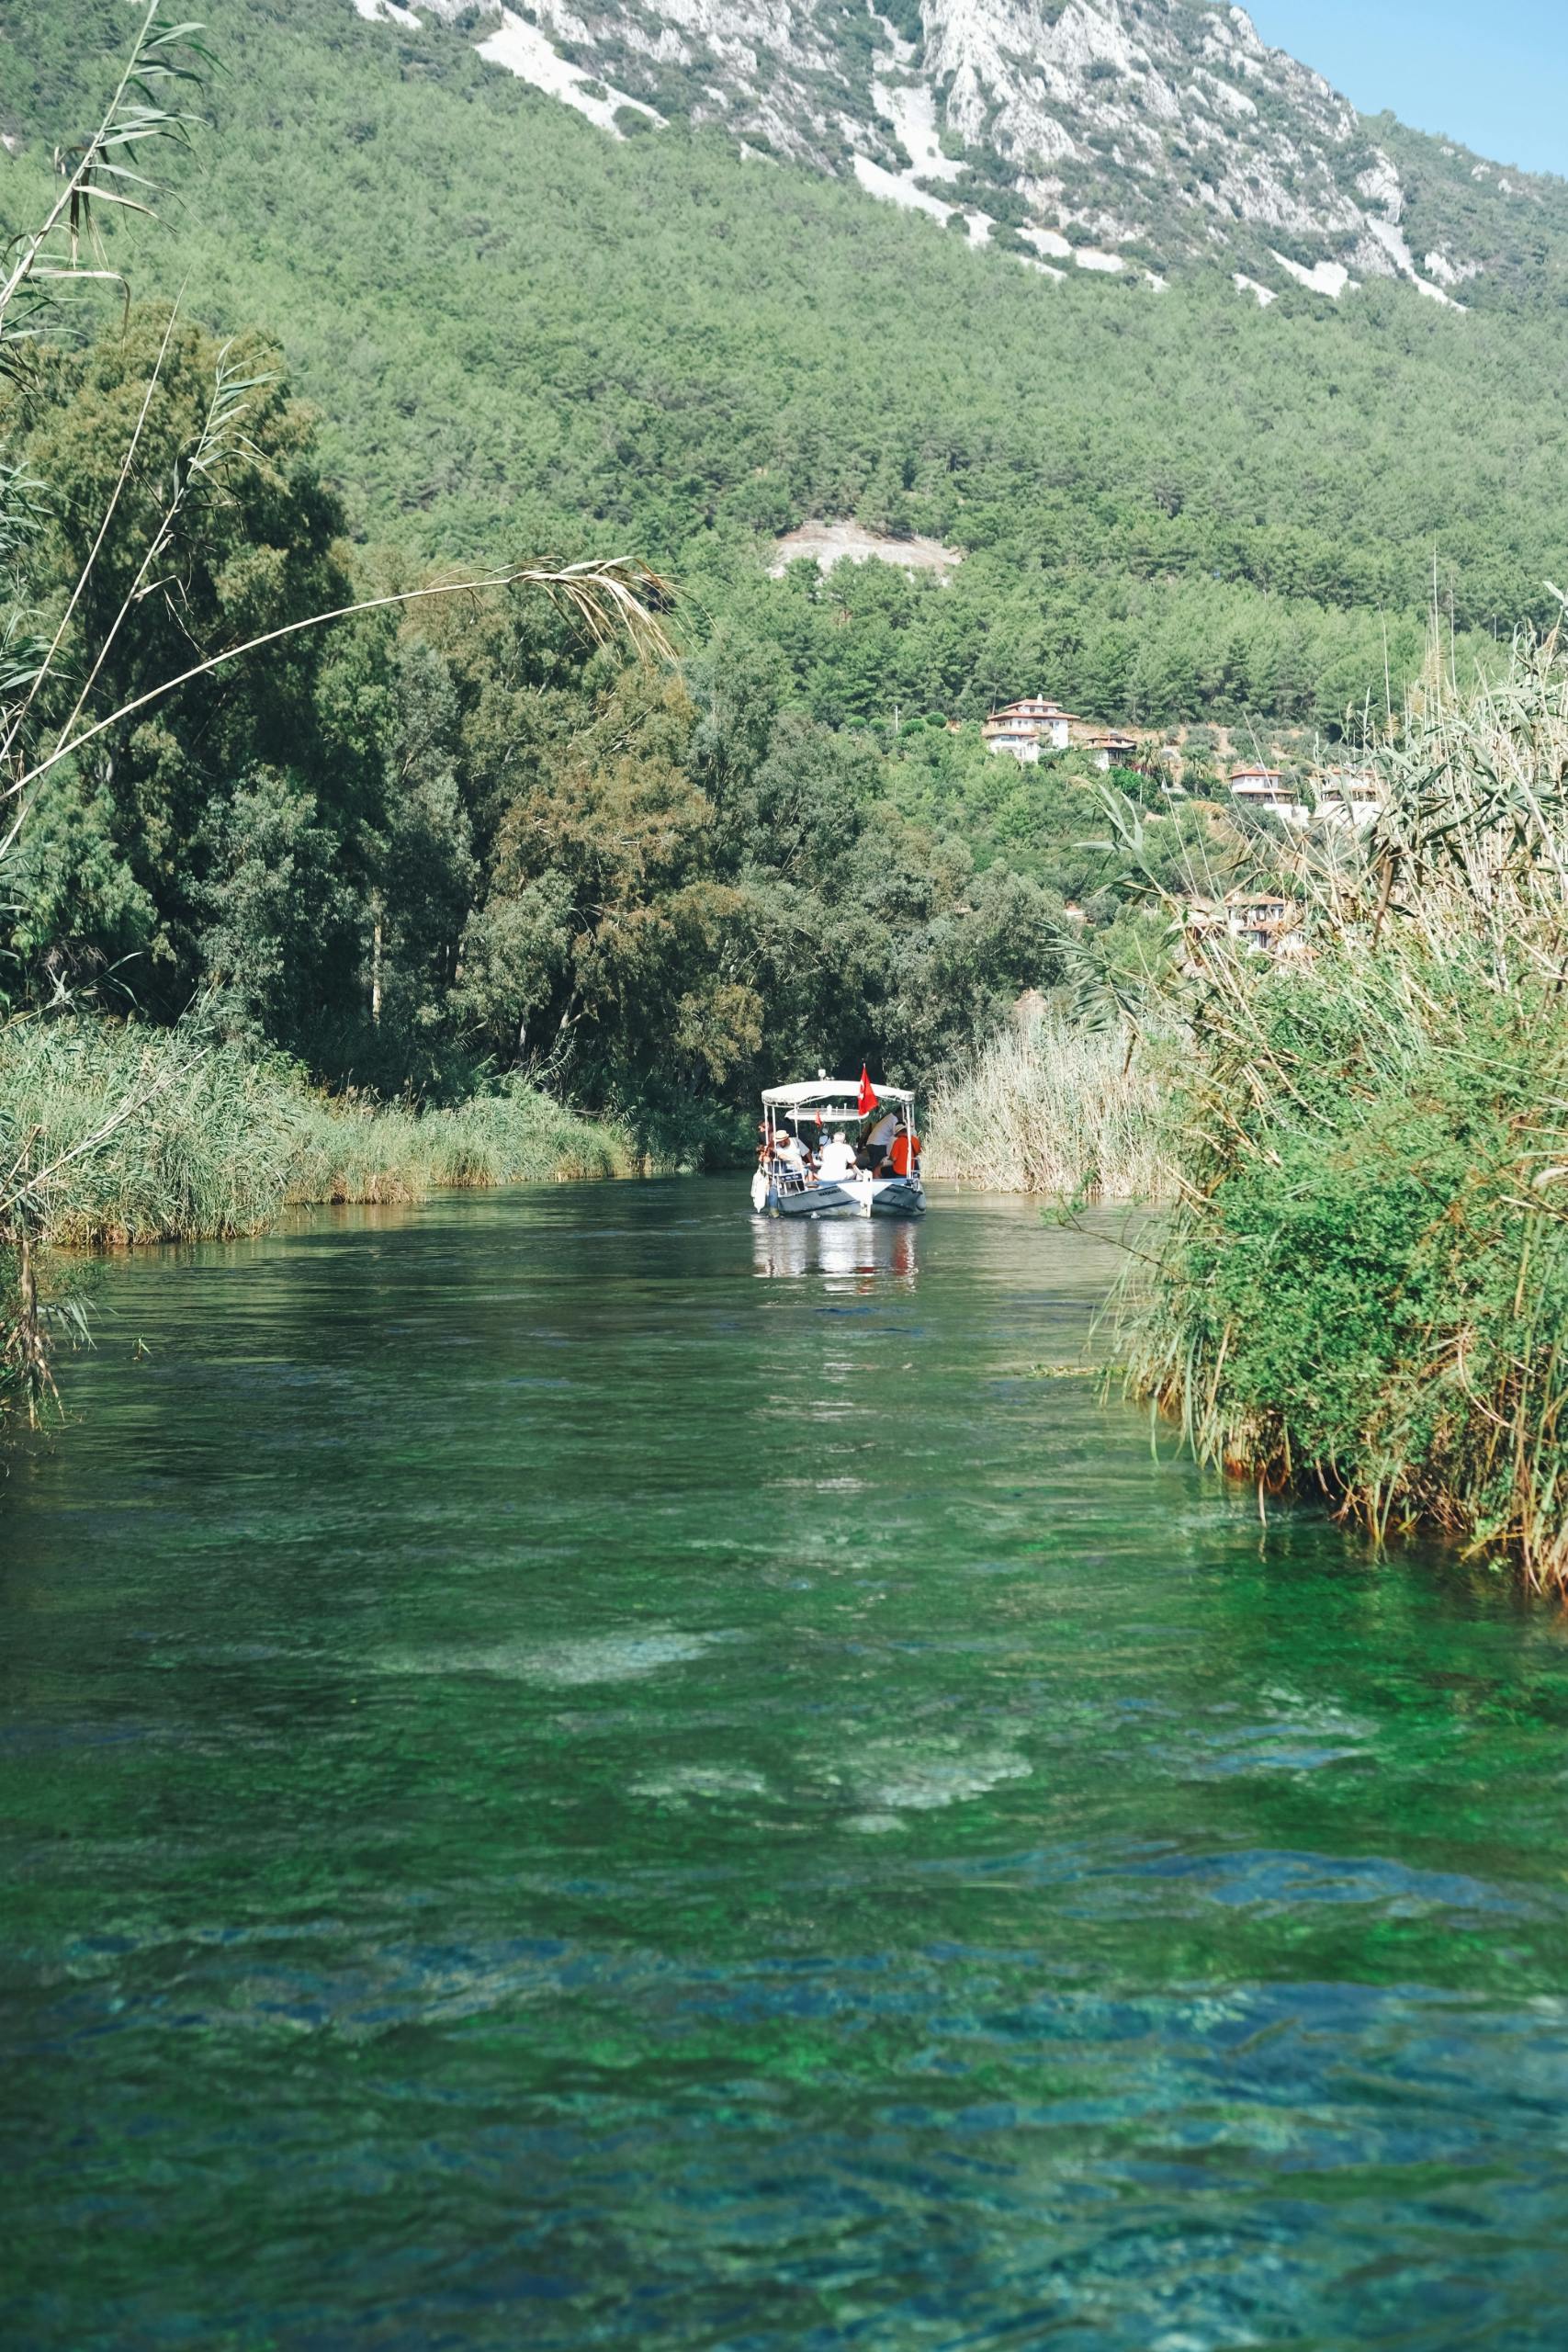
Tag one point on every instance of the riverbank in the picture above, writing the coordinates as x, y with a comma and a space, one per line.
1054, 1109
1361, 1286
1361, 1291
145, 1134
114, 1134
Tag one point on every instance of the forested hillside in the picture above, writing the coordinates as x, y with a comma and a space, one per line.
525, 334
470, 852
470, 326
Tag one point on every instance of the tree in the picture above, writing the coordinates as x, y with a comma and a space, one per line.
221, 531
283, 941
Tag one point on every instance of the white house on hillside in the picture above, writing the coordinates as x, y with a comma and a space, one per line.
1266, 789
1023, 727
1346, 797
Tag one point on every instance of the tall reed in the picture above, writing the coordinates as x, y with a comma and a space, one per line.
221, 1142
1055, 1108
1362, 1285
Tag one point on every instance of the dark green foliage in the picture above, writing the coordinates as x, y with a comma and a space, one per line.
683, 896
276, 898
525, 338
1358, 1283
133, 848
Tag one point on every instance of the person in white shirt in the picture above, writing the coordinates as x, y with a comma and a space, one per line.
879, 1142
787, 1151
836, 1162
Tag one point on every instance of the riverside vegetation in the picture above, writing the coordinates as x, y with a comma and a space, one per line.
110, 1131
461, 892
1357, 1283
1361, 1283
206, 1139
1057, 1107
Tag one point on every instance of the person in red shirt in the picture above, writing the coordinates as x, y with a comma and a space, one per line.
906, 1152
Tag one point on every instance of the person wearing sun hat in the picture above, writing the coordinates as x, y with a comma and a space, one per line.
788, 1151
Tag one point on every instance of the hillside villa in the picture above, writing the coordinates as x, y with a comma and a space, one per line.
1265, 789
1035, 724
1346, 797
1023, 727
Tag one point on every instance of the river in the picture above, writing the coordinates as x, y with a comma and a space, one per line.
579, 1772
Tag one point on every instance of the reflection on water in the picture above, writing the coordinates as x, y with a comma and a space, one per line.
859, 1250
556, 1794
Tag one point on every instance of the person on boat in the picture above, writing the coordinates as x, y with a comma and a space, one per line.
788, 1153
906, 1152
836, 1162
878, 1144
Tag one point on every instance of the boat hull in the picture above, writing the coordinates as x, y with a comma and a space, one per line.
856, 1196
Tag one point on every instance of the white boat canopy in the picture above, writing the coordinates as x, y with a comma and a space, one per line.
843, 1094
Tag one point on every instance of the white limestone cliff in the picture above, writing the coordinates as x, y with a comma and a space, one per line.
1165, 126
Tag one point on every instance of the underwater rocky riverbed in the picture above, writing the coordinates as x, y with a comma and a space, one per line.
578, 1770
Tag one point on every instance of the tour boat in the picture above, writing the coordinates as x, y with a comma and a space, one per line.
836, 1108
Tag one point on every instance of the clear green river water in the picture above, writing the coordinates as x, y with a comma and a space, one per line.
577, 1771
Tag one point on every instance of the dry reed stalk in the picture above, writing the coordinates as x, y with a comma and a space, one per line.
1056, 1110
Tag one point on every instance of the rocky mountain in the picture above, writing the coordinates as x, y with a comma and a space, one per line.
1102, 135
547, 297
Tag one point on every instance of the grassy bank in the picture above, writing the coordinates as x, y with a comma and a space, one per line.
142, 1134
1055, 1108
1362, 1288
113, 1135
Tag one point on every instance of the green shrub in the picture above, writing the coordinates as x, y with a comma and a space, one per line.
217, 1141
1370, 1295
1362, 1288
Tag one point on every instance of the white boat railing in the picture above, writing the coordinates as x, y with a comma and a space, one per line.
832, 1102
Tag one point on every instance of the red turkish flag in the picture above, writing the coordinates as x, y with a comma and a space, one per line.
868, 1096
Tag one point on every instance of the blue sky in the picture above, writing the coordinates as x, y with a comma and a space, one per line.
1495, 77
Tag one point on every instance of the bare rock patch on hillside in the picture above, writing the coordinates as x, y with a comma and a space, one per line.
827, 544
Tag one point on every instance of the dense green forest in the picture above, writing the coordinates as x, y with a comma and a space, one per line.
523, 336
477, 840
473, 840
